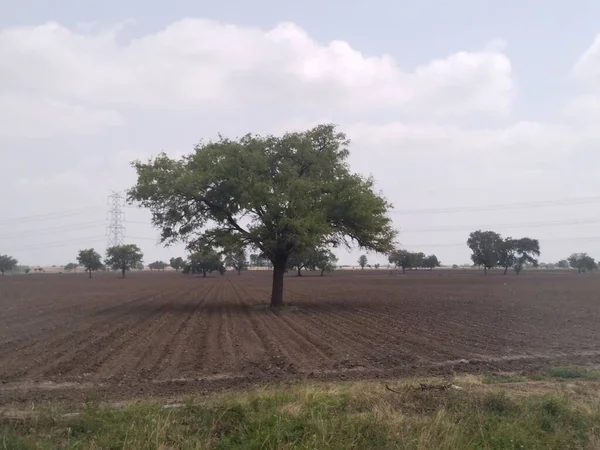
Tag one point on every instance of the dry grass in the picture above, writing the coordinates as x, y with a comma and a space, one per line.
417, 414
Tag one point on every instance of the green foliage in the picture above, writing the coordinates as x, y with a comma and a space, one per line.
563, 264
139, 266
124, 257
235, 257
362, 261
294, 192
258, 260
71, 266
517, 253
582, 262
487, 247
158, 265
177, 263
315, 259
90, 260
408, 260
204, 261
326, 416
431, 262
7, 263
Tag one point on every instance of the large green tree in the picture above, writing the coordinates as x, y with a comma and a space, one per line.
90, 260
486, 247
279, 194
7, 263
123, 257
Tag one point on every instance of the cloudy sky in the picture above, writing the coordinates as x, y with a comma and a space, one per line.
469, 114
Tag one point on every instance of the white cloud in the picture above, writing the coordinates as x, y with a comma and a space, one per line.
204, 64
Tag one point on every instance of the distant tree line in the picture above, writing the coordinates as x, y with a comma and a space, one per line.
409, 260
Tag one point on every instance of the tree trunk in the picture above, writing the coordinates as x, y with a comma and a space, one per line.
505, 270
123, 272
204, 273
277, 290
90, 273
403, 269
485, 270
322, 272
239, 271
299, 271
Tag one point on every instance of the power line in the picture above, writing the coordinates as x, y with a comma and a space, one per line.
49, 216
503, 225
52, 230
56, 244
527, 205
464, 244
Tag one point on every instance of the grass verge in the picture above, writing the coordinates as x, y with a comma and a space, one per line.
364, 415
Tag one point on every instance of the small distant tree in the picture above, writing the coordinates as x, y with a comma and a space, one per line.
563, 264
71, 266
204, 261
400, 258
298, 261
582, 262
236, 259
362, 261
486, 247
377, 266
139, 266
430, 262
7, 263
158, 265
324, 260
90, 260
526, 249
124, 257
177, 263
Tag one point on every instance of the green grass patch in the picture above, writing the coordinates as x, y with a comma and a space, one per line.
327, 416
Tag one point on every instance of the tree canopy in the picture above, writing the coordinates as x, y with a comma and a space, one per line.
279, 194
486, 247
412, 260
582, 262
124, 257
7, 263
158, 265
204, 261
516, 253
362, 261
71, 266
236, 259
177, 263
90, 260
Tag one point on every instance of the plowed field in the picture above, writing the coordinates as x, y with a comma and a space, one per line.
65, 337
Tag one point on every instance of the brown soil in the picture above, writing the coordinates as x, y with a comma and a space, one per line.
67, 338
